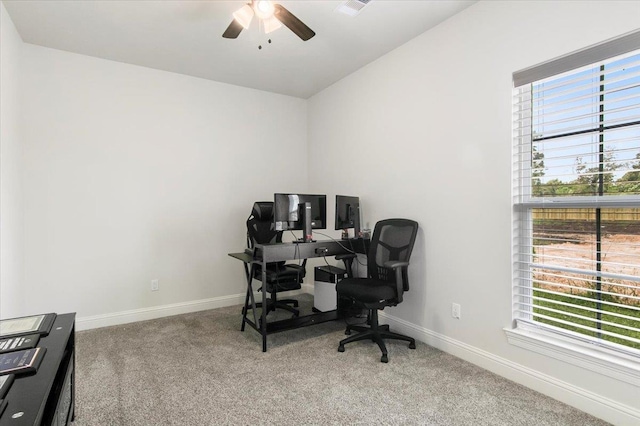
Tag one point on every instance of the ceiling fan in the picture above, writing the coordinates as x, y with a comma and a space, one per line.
271, 15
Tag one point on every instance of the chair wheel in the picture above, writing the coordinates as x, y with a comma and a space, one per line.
341, 348
412, 345
384, 358
347, 332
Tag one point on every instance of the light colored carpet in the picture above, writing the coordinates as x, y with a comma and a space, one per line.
199, 369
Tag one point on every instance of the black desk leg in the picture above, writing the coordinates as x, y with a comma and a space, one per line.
246, 299
250, 272
244, 310
263, 323
253, 300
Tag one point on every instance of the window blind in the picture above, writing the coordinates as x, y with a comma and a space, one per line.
577, 199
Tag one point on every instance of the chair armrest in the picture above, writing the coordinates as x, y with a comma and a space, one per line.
348, 261
398, 267
345, 256
392, 264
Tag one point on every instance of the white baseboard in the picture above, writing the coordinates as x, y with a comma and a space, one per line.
144, 314
589, 402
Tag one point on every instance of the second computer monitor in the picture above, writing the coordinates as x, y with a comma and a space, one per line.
348, 213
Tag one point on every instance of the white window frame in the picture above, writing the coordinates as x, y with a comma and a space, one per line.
547, 340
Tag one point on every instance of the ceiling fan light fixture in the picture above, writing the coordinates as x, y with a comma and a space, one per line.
271, 24
271, 16
244, 15
264, 9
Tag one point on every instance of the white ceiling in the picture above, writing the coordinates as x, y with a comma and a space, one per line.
186, 37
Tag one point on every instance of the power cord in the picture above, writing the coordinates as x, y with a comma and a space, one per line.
296, 253
350, 250
337, 241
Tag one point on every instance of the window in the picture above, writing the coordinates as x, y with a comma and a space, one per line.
577, 197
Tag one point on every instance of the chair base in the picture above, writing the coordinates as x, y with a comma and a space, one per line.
377, 333
281, 304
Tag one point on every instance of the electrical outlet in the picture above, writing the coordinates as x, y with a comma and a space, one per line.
455, 310
154, 285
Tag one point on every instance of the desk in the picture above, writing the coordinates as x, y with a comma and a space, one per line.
267, 253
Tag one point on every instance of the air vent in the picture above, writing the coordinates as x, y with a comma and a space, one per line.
352, 7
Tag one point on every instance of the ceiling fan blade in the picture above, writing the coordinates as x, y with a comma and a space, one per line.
294, 24
233, 30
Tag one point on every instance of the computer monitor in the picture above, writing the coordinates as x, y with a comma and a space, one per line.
348, 213
300, 212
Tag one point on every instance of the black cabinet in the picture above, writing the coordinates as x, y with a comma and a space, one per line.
47, 397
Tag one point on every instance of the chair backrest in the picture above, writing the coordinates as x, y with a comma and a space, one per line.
392, 239
260, 225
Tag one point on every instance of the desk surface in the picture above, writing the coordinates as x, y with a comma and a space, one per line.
278, 252
246, 258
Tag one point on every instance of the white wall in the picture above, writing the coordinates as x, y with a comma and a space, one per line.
11, 221
133, 174
425, 133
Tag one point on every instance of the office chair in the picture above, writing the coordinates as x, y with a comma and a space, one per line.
387, 280
280, 276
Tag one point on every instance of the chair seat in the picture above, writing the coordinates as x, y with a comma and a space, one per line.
281, 277
283, 285
366, 290
281, 273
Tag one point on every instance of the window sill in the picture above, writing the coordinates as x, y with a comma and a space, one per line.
612, 364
